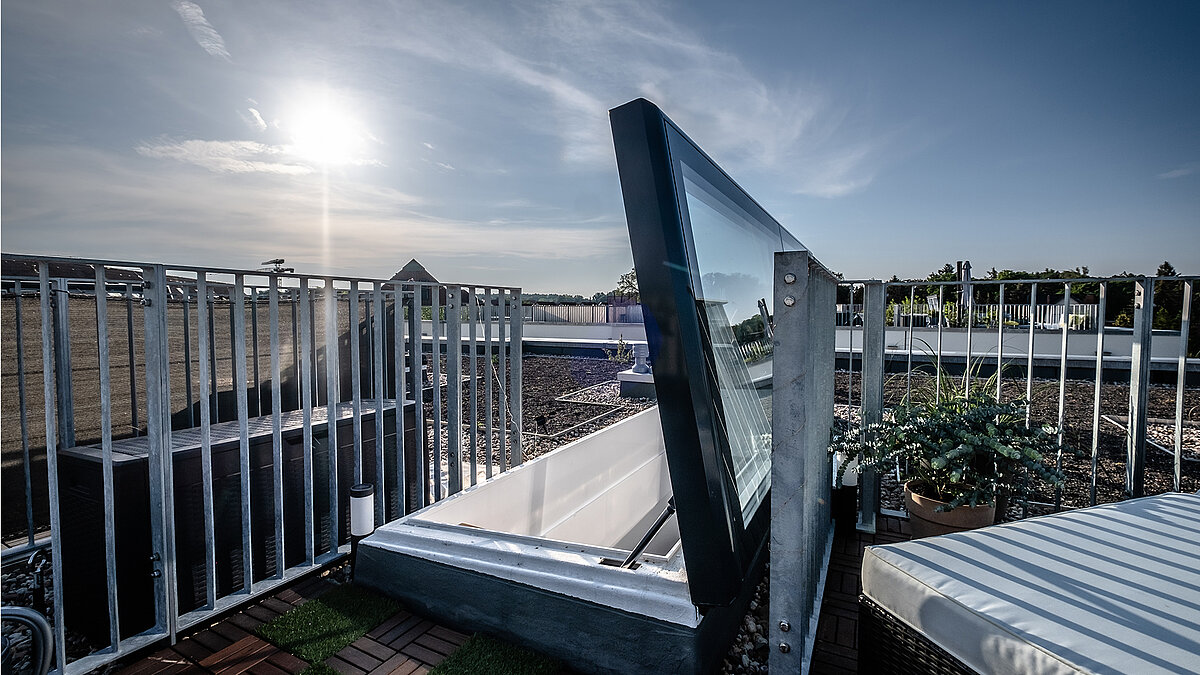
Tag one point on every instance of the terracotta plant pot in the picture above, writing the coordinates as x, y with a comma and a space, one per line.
927, 521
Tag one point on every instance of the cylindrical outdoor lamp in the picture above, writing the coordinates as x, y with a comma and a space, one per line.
362, 517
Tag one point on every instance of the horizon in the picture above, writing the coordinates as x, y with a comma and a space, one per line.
475, 139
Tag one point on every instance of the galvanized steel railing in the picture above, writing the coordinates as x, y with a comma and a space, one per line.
332, 356
1012, 349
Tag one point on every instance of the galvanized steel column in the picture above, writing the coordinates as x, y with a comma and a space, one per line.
1139, 387
514, 371
792, 540
874, 313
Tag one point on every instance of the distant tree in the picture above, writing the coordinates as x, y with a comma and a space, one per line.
627, 284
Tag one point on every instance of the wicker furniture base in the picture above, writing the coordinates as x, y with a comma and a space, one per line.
888, 645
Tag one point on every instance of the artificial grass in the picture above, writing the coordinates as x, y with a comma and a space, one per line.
321, 627
482, 655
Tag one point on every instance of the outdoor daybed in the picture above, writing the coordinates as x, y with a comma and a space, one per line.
1108, 589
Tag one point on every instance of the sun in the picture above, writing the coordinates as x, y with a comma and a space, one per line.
324, 131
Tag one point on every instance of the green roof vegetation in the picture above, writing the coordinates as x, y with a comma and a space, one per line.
482, 655
321, 627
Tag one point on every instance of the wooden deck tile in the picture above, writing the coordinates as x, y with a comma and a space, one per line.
240, 656
163, 662
398, 664
212, 641
229, 630
423, 654
375, 649
452, 636
388, 624
343, 667
411, 634
267, 668
389, 638
358, 658
261, 613
835, 650
278, 606
291, 597
287, 662
436, 644
192, 649
245, 621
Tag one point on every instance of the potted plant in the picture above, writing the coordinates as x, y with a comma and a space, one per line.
957, 456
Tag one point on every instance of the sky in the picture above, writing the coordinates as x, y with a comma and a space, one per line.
349, 137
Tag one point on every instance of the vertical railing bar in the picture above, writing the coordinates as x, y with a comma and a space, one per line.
502, 316
1185, 326
379, 358
401, 397
133, 397
206, 347
1000, 346
258, 407
276, 420
332, 396
312, 331
305, 390
1029, 356
937, 387
416, 350
1062, 391
969, 291
62, 353
106, 454
435, 334
26, 461
514, 372
293, 302
454, 389
237, 310
912, 296
850, 366
214, 389
487, 382
187, 355
48, 391
1096, 395
356, 380
473, 386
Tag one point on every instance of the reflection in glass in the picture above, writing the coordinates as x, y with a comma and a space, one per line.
734, 261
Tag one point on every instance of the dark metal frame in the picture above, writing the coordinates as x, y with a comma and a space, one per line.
719, 546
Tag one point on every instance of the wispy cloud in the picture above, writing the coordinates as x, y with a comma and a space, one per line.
200, 29
253, 119
585, 57
227, 156
1185, 170
168, 210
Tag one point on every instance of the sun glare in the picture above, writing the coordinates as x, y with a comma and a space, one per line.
323, 132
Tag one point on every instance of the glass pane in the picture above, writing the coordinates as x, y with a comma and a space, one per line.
734, 265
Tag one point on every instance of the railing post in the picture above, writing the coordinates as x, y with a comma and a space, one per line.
454, 389
874, 317
1139, 387
514, 373
62, 358
158, 433
791, 540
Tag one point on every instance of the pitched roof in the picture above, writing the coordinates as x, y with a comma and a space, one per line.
413, 271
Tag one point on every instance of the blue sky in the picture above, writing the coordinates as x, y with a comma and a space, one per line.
349, 137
